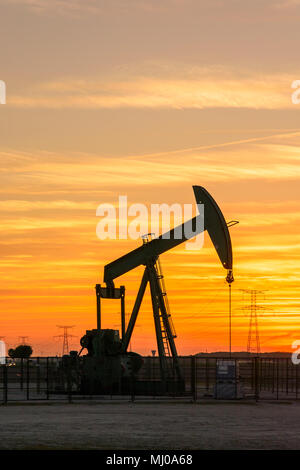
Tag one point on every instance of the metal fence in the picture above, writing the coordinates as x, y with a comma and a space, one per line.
259, 378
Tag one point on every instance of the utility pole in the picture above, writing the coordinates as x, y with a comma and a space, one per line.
65, 337
253, 342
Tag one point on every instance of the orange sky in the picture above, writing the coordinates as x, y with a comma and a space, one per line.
168, 97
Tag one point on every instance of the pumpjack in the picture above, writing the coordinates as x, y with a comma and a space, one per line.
108, 365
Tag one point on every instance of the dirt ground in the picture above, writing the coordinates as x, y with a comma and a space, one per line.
154, 426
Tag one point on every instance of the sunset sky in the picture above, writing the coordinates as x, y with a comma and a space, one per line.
146, 98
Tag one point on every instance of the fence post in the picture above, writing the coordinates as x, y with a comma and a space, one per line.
252, 374
47, 378
196, 378
207, 372
193, 378
296, 382
27, 378
277, 378
4, 367
69, 379
132, 386
236, 378
38, 375
22, 373
256, 377
287, 376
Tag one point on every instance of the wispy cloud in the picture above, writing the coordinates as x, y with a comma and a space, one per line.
94, 6
187, 88
46, 172
58, 6
76, 7
287, 4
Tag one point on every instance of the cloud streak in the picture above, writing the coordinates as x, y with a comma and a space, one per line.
58, 6
198, 90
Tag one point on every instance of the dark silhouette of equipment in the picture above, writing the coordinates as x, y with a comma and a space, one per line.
108, 360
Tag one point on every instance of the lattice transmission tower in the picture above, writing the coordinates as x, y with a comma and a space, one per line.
253, 342
65, 337
23, 340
